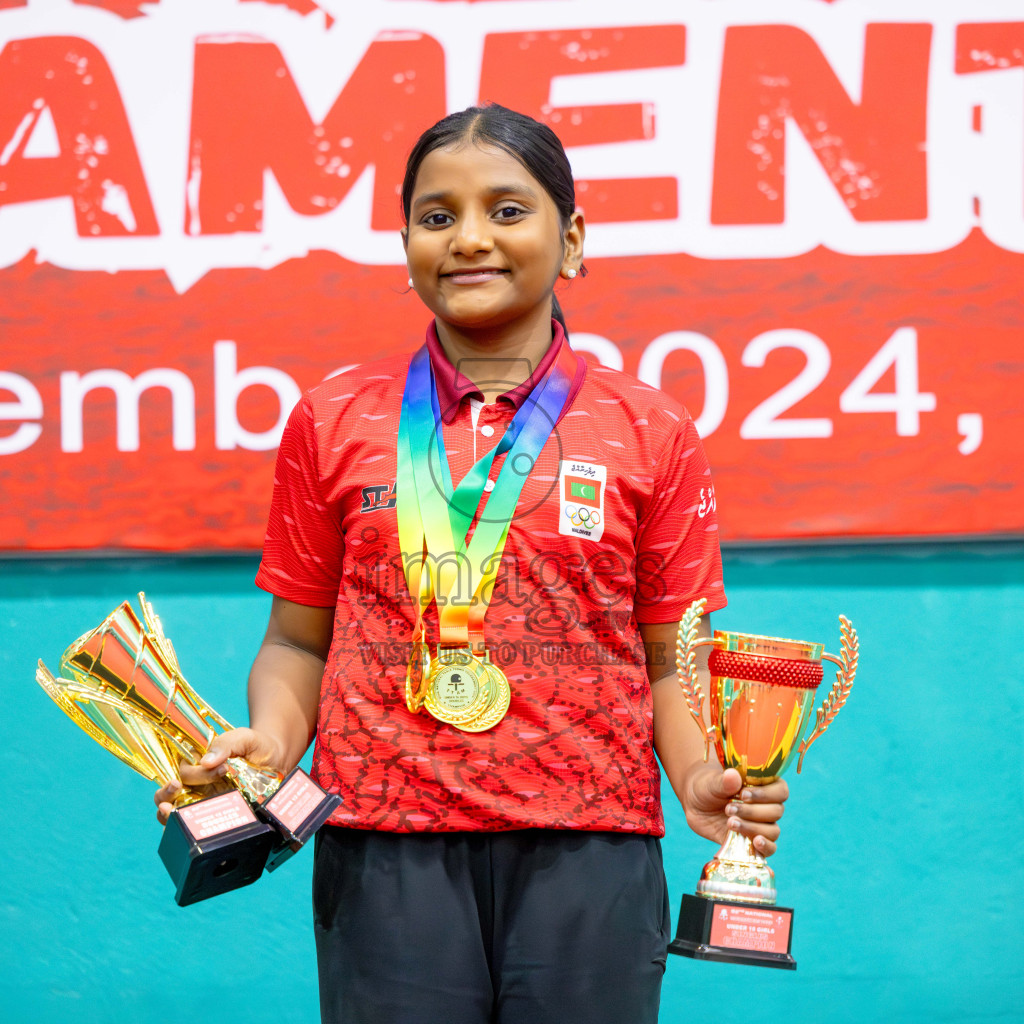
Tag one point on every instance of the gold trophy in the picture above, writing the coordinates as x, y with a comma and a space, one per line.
122, 685
762, 693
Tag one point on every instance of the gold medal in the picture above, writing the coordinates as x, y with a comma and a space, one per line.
467, 691
459, 687
498, 705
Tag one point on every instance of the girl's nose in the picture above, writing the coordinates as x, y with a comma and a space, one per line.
473, 234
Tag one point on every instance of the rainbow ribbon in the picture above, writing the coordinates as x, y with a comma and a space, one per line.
434, 518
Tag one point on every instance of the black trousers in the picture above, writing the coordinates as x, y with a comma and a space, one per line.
528, 927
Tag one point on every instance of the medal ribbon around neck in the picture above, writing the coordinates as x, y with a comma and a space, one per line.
434, 517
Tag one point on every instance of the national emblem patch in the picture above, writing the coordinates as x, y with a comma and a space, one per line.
581, 487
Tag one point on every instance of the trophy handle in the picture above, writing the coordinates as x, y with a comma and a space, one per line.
847, 663
156, 631
151, 761
686, 667
256, 783
155, 762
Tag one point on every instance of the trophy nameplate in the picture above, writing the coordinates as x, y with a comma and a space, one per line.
733, 932
296, 810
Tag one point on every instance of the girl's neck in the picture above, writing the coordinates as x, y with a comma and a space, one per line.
495, 360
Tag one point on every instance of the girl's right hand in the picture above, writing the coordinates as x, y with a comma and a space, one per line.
257, 748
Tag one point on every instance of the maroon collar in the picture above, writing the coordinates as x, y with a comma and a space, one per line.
454, 386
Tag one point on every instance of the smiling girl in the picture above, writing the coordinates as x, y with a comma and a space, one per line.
478, 558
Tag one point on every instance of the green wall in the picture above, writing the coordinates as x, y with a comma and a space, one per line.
900, 847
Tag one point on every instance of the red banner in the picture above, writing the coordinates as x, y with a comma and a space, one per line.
809, 229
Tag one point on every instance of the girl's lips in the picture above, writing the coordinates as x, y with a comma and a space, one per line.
473, 276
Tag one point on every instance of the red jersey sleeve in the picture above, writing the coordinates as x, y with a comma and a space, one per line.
678, 557
304, 546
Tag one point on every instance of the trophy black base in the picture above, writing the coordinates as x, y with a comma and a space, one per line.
731, 932
296, 810
213, 846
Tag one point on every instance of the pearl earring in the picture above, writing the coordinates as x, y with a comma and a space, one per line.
570, 273
410, 282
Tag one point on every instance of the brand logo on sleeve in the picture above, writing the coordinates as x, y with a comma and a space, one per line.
581, 487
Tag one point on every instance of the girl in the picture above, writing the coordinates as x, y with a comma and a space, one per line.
478, 559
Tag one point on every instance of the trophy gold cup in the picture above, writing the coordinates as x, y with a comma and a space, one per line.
762, 693
122, 685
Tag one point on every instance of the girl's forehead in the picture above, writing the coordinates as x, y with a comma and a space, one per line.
472, 163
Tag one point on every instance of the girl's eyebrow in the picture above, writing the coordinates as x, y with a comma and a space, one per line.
494, 190
518, 187
430, 197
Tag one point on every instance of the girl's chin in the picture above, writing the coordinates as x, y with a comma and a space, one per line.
470, 317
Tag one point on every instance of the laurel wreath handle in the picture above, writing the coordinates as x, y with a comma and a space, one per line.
837, 696
686, 666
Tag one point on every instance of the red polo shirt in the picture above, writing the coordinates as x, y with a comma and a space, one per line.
615, 525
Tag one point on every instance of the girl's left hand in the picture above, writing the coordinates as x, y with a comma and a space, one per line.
717, 801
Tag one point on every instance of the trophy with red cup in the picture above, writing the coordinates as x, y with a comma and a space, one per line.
762, 693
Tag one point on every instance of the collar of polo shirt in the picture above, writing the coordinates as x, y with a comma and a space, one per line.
453, 386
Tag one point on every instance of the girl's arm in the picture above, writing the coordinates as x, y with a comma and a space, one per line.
711, 797
284, 693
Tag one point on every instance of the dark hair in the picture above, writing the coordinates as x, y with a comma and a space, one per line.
533, 144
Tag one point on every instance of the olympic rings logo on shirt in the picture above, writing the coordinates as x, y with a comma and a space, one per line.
582, 516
